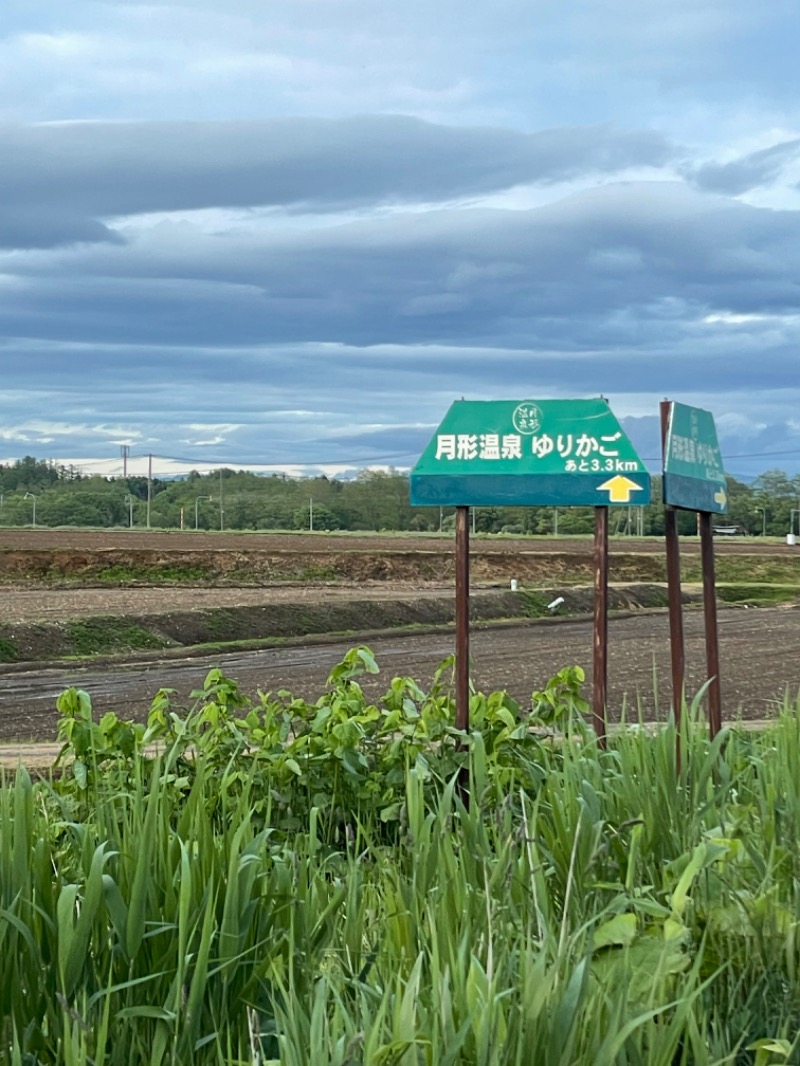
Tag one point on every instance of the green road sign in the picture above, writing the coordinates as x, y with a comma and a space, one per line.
547, 453
694, 479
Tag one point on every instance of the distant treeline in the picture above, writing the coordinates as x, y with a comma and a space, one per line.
375, 500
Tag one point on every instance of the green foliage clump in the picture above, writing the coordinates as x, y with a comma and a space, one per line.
351, 882
188, 574
98, 636
759, 595
535, 603
318, 573
342, 755
8, 650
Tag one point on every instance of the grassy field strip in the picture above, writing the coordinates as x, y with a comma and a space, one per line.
355, 883
41, 756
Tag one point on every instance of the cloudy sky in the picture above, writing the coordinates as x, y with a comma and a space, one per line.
291, 232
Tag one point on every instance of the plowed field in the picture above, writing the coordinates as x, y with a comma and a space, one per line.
760, 653
118, 574
92, 540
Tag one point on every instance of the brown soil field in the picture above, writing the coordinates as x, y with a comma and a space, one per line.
20, 605
94, 540
760, 661
76, 558
47, 576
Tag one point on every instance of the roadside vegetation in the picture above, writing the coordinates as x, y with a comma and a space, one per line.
345, 882
374, 500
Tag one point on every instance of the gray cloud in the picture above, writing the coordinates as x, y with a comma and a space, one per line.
595, 270
748, 172
317, 403
512, 59
324, 284
41, 227
63, 179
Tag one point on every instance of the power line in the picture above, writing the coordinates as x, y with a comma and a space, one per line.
741, 455
217, 463
328, 461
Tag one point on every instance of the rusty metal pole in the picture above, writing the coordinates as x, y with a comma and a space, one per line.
672, 546
462, 618
710, 617
600, 680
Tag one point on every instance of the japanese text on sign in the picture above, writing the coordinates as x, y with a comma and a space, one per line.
478, 446
578, 452
686, 450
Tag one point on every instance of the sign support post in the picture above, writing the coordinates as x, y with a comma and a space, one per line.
462, 618
676, 646
600, 661
694, 480
710, 618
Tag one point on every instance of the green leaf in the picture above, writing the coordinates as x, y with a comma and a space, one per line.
563, 1028
705, 854
619, 931
80, 773
768, 1047
368, 659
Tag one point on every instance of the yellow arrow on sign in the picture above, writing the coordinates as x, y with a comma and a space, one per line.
619, 489
720, 497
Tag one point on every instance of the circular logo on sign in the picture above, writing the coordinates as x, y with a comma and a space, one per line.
527, 417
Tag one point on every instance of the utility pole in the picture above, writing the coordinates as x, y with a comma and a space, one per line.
125, 452
31, 496
149, 486
221, 508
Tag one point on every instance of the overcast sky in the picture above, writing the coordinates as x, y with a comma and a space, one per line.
292, 232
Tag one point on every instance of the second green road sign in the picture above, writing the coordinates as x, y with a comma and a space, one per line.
546, 453
694, 478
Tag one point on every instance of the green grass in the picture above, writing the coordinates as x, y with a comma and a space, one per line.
763, 595
8, 651
100, 636
317, 573
534, 603
747, 569
154, 575
345, 883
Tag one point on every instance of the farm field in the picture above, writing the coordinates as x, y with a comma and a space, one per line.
760, 653
37, 605
336, 583
341, 878
85, 539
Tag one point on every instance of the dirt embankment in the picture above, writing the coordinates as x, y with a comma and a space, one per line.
95, 594
114, 567
281, 617
117, 567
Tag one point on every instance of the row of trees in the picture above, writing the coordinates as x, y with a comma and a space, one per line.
34, 492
